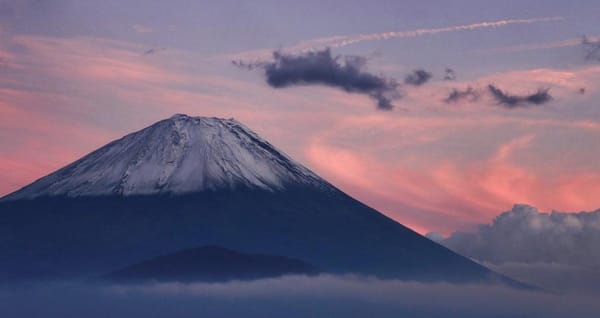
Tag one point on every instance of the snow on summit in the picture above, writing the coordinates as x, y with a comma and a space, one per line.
178, 155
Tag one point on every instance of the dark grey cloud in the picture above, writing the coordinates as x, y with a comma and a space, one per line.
244, 65
418, 77
322, 68
322, 296
256, 65
591, 49
457, 95
153, 51
450, 74
526, 235
507, 100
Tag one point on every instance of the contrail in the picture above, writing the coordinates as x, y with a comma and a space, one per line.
537, 46
340, 41
344, 40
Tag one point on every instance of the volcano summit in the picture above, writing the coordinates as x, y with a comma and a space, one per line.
176, 156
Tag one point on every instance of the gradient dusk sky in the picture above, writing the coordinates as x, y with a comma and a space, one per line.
75, 75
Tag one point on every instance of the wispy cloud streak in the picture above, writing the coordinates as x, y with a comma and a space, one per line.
340, 41
538, 46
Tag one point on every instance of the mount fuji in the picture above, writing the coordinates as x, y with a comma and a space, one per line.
187, 182
177, 156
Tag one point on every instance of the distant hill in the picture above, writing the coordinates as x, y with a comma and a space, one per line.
211, 264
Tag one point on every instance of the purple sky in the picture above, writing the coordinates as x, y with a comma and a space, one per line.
74, 76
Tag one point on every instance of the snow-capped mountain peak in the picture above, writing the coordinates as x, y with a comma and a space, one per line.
178, 155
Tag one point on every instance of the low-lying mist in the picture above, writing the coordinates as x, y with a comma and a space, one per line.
291, 296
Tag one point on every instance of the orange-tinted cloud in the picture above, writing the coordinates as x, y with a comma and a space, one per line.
457, 187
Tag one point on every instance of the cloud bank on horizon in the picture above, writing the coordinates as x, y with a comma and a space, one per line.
292, 296
555, 250
526, 235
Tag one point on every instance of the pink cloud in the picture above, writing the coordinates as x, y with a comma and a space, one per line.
459, 189
432, 167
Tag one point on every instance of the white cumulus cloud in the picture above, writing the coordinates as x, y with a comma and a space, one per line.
527, 235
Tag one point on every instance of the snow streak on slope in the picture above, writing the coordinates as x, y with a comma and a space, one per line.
178, 155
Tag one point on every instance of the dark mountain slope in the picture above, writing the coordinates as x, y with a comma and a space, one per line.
79, 236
